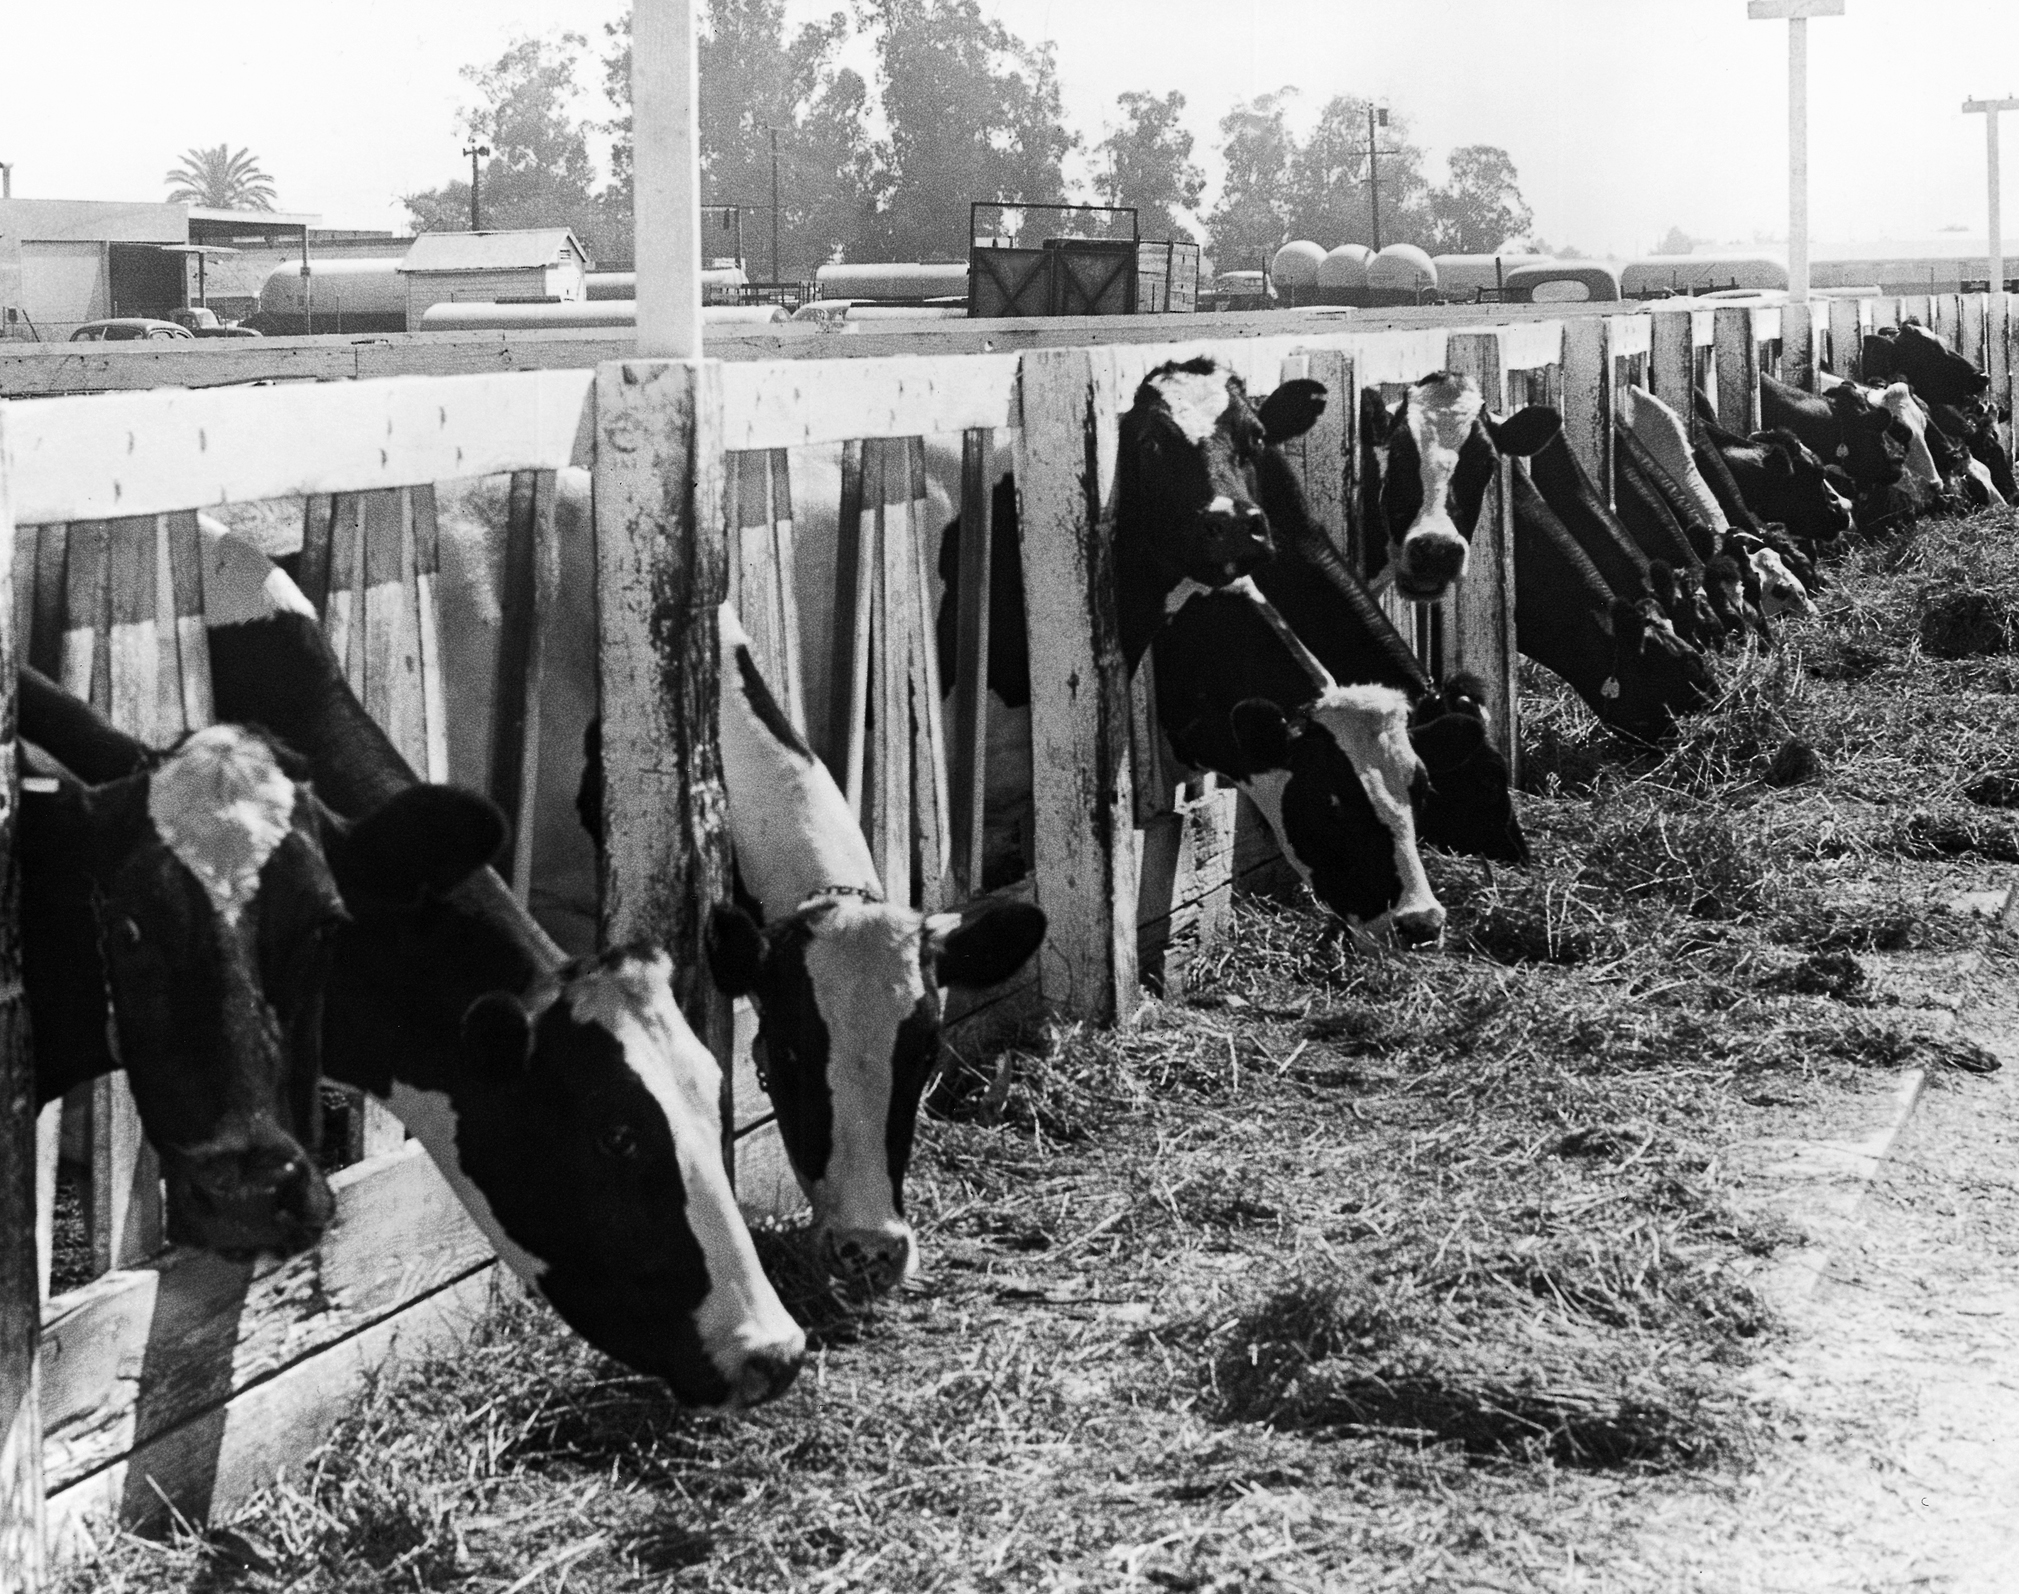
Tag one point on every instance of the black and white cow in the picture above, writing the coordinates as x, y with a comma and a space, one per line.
1973, 423
568, 1104
1773, 478
846, 984
1912, 354
1842, 427
1630, 669
1434, 457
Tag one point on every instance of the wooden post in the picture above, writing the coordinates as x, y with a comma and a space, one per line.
1798, 346
1082, 789
1671, 363
666, 144
662, 559
1480, 617
20, 1297
1797, 13
1971, 311
1738, 375
1999, 326
525, 597
1989, 110
969, 752
1587, 396
1847, 338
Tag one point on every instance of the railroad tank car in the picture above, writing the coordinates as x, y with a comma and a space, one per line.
892, 282
346, 294
1561, 282
1661, 276
1344, 268
1462, 278
472, 316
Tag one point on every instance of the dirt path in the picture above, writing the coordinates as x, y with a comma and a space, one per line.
1897, 1466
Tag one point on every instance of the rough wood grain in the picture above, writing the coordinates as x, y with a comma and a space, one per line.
792, 403
137, 1353
1672, 362
662, 573
969, 752
1738, 382
525, 596
182, 552
930, 798
1847, 351
1587, 397
1479, 619
209, 1464
1799, 337
1082, 790
854, 593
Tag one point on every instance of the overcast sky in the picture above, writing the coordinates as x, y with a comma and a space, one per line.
1623, 116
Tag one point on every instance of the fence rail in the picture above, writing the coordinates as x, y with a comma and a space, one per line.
205, 1376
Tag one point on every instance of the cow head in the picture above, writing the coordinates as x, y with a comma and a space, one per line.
1725, 589
847, 995
1337, 781
1440, 446
1898, 401
1656, 677
1872, 445
1794, 489
588, 1113
1781, 591
1683, 599
207, 879
1185, 485
1911, 353
1465, 802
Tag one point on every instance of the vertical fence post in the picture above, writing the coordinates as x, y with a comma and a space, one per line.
1847, 338
969, 753
20, 1295
1482, 639
1998, 343
1587, 396
1671, 363
1082, 788
662, 557
1738, 375
1798, 346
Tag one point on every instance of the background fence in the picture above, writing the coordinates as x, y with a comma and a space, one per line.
204, 1376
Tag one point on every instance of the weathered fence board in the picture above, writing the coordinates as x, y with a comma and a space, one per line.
787, 404
1587, 397
1479, 617
1738, 370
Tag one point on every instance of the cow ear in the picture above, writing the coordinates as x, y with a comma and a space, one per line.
735, 950
1447, 742
983, 944
56, 806
498, 1034
1525, 431
1262, 734
1376, 419
428, 839
1293, 409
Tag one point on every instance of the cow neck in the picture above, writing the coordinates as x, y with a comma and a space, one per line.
1143, 586
1320, 677
1573, 500
1722, 480
1633, 484
1311, 586
1561, 601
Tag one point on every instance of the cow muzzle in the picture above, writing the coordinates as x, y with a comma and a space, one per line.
766, 1371
266, 1197
1428, 561
1418, 926
880, 1257
1235, 538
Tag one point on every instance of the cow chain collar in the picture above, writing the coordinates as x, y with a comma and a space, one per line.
866, 893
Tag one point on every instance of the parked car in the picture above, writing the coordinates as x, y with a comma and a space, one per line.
129, 328
202, 320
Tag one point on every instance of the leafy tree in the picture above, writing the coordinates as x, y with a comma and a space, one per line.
1329, 199
1675, 242
1480, 208
1149, 164
752, 81
539, 173
220, 179
1252, 217
973, 114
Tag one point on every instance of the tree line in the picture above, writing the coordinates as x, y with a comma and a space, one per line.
968, 111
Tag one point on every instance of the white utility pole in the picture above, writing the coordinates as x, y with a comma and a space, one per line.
1989, 109
666, 178
1796, 14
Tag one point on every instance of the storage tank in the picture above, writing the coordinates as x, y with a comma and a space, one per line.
1296, 264
1562, 282
1345, 267
719, 284
583, 315
892, 281
356, 294
1465, 277
1401, 268
1652, 276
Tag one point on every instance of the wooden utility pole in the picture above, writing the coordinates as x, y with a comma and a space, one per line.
1796, 14
666, 133
1989, 110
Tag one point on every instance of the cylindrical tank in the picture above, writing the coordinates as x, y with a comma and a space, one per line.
1296, 264
1465, 276
1401, 268
716, 281
355, 294
1345, 267
1562, 282
467, 316
1653, 275
891, 280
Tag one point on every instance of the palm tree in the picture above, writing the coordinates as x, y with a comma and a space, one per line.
220, 180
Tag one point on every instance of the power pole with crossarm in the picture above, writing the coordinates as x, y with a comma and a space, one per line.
1796, 14
1989, 110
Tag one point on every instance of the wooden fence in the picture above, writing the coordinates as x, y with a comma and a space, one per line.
202, 1377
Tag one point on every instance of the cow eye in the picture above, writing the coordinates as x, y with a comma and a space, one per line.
129, 934
618, 1142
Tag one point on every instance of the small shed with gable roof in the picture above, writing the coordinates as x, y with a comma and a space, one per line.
533, 265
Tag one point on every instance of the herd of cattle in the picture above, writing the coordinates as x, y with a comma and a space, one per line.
279, 900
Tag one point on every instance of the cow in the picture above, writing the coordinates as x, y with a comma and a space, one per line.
1628, 570
1779, 590
1843, 429
1630, 669
846, 983
568, 1104
1911, 353
1773, 476
1645, 512
1974, 424
1434, 457
1329, 768
176, 922
1668, 457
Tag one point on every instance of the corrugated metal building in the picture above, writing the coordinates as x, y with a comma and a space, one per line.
536, 265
